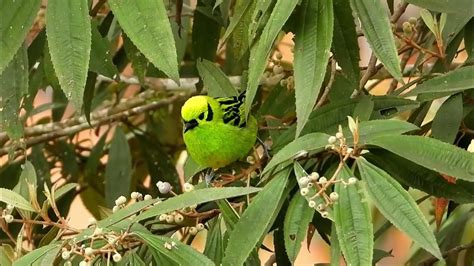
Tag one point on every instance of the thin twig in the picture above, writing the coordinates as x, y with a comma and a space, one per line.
328, 87
368, 73
450, 252
97, 119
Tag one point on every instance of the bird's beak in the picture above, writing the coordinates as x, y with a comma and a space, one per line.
188, 125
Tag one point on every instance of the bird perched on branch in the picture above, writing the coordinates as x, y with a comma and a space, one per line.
216, 132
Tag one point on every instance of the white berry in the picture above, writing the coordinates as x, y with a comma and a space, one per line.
304, 191
334, 196
8, 218
332, 140
188, 187
120, 200
117, 257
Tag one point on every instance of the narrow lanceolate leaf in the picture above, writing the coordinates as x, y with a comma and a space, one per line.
68, 29
261, 50
297, 218
147, 25
214, 248
13, 86
118, 172
454, 81
431, 153
335, 247
353, 222
448, 119
312, 44
217, 83
258, 217
397, 206
313, 142
179, 252
35, 257
345, 45
197, 196
376, 27
446, 6
15, 199
242, 8
16, 19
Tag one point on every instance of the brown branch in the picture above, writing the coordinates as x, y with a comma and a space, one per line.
450, 252
328, 87
105, 116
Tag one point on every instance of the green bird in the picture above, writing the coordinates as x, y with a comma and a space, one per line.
215, 130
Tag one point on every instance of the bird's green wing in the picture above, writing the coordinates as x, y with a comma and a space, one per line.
233, 110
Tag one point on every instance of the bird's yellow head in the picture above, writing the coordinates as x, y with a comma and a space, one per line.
195, 111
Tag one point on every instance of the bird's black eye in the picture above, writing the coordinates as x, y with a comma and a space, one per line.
201, 116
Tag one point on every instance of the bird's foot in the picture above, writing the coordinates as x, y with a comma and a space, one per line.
266, 148
210, 174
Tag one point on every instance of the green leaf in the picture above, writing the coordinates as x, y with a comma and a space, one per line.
27, 184
13, 86
258, 216
214, 248
454, 81
469, 41
448, 119
118, 172
138, 60
191, 168
35, 257
369, 130
196, 196
17, 17
297, 218
431, 153
327, 118
69, 39
430, 22
312, 45
7, 255
240, 39
101, 57
261, 50
241, 9
353, 222
377, 30
62, 190
15, 199
205, 31
152, 35
314, 142
446, 6
335, 248
397, 206
217, 83
415, 176
364, 108
181, 253
345, 45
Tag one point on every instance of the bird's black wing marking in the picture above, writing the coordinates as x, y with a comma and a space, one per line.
210, 113
233, 110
